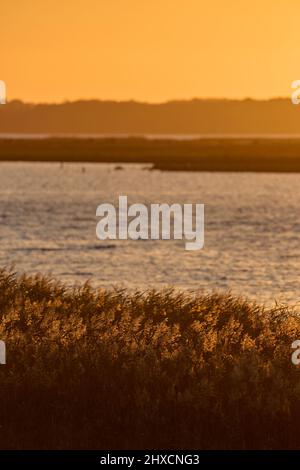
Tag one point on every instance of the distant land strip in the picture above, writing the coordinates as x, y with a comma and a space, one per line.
206, 154
212, 117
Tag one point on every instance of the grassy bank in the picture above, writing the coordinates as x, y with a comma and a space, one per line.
115, 370
207, 154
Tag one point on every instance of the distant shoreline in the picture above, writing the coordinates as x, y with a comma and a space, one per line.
249, 154
196, 117
161, 136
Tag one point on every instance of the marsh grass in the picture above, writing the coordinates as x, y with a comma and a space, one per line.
119, 370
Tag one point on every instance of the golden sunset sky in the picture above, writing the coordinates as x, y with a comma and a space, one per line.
148, 50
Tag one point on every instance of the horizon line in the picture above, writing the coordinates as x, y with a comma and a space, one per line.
149, 103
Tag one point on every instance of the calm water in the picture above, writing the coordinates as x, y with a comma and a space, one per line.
252, 228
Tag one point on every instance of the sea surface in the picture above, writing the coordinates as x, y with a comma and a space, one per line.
252, 229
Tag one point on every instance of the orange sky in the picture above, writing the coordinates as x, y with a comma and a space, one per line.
149, 50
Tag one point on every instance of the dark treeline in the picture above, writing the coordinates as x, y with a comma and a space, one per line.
214, 117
